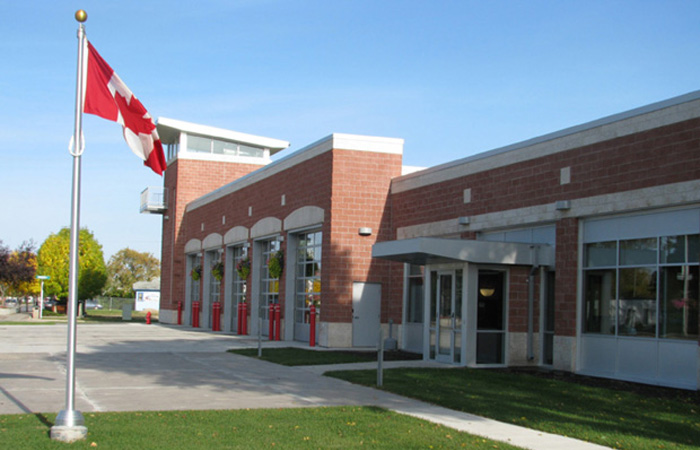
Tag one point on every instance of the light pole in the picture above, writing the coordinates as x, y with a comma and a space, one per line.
41, 298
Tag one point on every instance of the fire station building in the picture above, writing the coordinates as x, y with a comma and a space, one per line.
578, 250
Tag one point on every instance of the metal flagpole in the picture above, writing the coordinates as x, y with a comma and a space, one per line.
69, 424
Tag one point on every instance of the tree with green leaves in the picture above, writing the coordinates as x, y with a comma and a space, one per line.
128, 266
17, 270
53, 260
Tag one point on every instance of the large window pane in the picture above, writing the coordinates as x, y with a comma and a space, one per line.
415, 294
269, 286
223, 147
214, 284
433, 299
308, 275
198, 144
679, 302
458, 299
694, 248
244, 150
637, 308
599, 303
672, 249
490, 303
601, 254
238, 284
638, 252
657, 298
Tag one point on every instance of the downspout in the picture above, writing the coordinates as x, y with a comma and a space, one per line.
531, 302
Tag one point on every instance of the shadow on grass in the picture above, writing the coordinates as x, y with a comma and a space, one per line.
292, 356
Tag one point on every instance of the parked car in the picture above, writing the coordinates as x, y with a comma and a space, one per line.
92, 304
10, 302
49, 303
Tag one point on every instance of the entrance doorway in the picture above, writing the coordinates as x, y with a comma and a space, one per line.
490, 329
446, 315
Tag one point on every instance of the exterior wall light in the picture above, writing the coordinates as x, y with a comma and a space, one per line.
487, 292
364, 231
563, 205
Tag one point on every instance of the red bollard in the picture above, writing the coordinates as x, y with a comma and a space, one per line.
179, 313
216, 319
148, 318
278, 308
244, 318
239, 316
271, 321
312, 326
195, 314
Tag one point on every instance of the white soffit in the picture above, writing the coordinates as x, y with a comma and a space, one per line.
167, 128
438, 250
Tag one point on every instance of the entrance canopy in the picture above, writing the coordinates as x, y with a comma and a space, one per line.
425, 250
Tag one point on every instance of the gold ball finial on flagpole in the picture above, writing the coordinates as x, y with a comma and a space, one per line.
80, 15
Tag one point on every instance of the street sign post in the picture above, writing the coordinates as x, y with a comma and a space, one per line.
41, 297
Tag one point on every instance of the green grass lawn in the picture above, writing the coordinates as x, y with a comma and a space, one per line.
43, 322
292, 356
614, 418
305, 428
92, 316
115, 315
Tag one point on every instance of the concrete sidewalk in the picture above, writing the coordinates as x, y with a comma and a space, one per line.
127, 367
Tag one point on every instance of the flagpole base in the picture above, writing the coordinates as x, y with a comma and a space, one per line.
69, 427
68, 434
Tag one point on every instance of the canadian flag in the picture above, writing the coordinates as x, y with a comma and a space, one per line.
107, 96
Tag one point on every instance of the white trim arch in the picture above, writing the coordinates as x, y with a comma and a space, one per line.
266, 227
193, 246
212, 242
236, 235
305, 216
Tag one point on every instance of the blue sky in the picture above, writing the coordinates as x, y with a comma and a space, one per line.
452, 78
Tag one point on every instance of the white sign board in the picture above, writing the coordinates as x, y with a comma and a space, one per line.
147, 300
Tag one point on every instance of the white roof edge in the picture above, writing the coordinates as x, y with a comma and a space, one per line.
206, 130
342, 141
432, 174
339, 141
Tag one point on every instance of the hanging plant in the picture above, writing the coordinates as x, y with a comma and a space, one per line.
276, 264
217, 270
196, 273
243, 268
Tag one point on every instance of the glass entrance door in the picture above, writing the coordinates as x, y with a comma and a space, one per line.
448, 311
490, 318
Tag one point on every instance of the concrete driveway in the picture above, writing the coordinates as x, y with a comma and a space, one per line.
127, 367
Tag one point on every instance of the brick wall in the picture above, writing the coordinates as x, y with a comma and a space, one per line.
669, 154
565, 277
361, 184
664, 155
302, 185
518, 300
186, 180
351, 187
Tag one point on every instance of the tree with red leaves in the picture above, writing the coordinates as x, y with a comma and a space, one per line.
17, 268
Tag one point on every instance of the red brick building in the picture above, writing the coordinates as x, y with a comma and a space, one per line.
578, 250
